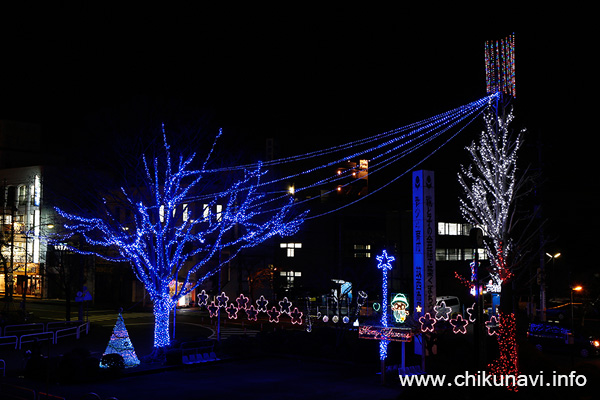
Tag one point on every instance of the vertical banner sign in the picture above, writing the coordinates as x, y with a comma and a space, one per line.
424, 230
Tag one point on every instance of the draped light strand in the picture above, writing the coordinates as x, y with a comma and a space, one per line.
417, 137
414, 127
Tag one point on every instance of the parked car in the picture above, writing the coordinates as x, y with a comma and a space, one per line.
554, 337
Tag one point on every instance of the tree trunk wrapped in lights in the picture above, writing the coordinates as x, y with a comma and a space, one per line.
179, 231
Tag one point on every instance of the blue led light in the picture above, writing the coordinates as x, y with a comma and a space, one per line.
384, 265
166, 249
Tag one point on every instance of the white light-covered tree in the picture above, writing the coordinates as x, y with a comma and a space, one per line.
179, 230
490, 185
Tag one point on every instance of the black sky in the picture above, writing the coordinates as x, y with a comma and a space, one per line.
312, 76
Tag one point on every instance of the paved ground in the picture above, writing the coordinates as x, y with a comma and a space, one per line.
257, 377
261, 376
264, 378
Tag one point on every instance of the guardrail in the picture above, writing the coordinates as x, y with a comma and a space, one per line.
17, 335
72, 331
9, 340
37, 337
10, 330
10, 391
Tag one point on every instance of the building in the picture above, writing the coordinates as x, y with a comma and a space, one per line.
23, 253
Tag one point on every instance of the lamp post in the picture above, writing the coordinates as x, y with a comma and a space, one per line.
542, 283
577, 288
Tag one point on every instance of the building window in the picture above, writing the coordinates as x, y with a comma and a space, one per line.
161, 213
22, 195
290, 277
362, 251
458, 254
290, 247
453, 229
186, 212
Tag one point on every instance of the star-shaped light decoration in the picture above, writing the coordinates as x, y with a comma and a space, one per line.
285, 305
427, 323
222, 300
213, 309
459, 324
296, 316
202, 298
232, 311
442, 311
273, 315
385, 261
262, 303
492, 326
242, 301
252, 313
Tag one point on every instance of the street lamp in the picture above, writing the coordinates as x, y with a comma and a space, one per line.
577, 288
542, 283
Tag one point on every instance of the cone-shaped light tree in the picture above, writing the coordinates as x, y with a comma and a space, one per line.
178, 230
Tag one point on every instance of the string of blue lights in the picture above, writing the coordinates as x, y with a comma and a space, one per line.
380, 155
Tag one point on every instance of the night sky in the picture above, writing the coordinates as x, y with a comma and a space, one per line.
310, 77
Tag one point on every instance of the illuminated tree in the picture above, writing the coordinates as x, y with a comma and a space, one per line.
490, 186
179, 230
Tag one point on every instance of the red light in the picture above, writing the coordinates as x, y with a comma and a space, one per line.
596, 343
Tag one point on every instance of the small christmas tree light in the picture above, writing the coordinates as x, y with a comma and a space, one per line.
121, 344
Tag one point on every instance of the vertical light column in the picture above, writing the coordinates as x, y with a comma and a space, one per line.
384, 265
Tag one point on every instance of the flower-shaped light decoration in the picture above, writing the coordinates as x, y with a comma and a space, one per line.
427, 323
252, 313
222, 300
232, 311
273, 315
262, 303
242, 302
442, 311
202, 298
459, 324
296, 316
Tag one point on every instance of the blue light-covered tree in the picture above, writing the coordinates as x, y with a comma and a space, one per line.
175, 234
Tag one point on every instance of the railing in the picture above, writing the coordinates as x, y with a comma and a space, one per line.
10, 391
37, 337
17, 335
72, 331
9, 340
10, 330
17, 392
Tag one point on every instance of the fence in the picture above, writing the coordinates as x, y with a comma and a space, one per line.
17, 335
10, 391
